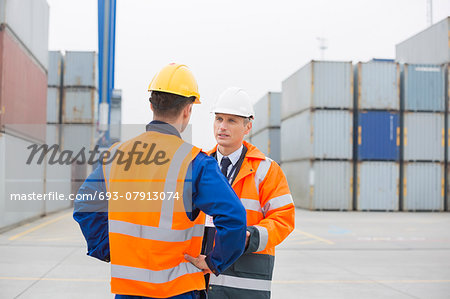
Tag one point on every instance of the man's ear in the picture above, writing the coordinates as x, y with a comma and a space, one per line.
187, 110
248, 127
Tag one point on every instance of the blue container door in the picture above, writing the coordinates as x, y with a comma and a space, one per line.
378, 136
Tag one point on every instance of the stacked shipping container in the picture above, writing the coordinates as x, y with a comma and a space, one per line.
265, 133
23, 96
316, 135
377, 105
423, 90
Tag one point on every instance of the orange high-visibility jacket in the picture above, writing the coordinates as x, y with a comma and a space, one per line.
149, 231
264, 192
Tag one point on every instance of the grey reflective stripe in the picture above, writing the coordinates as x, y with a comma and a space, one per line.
165, 220
154, 233
262, 171
277, 202
251, 204
146, 275
263, 237
241, 283
109, 165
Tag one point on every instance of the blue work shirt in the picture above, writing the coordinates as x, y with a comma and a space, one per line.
211, 193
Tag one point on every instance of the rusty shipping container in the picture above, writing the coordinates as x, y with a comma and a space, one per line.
79, 105
23, 84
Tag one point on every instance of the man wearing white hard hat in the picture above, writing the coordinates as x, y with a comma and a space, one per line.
262, 187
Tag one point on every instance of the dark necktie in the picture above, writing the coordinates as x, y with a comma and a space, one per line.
224, 165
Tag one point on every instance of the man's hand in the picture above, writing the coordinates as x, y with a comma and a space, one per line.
246, 239
199, 262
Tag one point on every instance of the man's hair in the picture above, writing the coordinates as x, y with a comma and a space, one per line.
168, 105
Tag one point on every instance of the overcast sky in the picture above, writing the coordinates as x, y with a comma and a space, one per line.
251, 44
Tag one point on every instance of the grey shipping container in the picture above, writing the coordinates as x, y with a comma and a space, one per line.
267, 112
320, 185
429, 46
423, 87
53, 105
80, 69
423, 186
317, 134
77, 137
319, 84
19, 180
58, 182
268, 141
55, 68
378, 186
377, 85
80, 105
424, 136
28, 20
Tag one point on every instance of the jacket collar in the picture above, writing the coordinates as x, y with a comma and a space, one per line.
253, 153
162, 127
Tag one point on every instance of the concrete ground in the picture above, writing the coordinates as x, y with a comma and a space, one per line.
329, 255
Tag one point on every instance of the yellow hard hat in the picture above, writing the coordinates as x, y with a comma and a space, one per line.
177, 79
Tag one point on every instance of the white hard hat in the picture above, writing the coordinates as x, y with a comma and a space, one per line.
236, 101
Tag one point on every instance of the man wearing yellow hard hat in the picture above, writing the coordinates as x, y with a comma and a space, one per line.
154, 241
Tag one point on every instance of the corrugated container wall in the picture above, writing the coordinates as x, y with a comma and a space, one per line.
28, 20
317, 134
320, 185
80, 69
267, 112
377, 85
55, 68
423, 187
429, 46
268, 141
424, 87
23, 84
378, 135
377, 186
80, 105
319, 84
424, 136
18, 177
53, 105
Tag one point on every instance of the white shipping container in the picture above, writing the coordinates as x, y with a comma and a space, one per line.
28, 19
58, 182
19, 180
377, 186
80, 105
424, 136
268, 142
53, 105
77, 137
378, 85
423, 187
267, 112
320, 185
55, 64
431, 46
80, 69
317, 134
318, 84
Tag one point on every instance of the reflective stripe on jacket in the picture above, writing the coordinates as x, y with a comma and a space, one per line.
264, 192
149, 237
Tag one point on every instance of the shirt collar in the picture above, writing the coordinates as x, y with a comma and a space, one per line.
234, 156
162, 127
